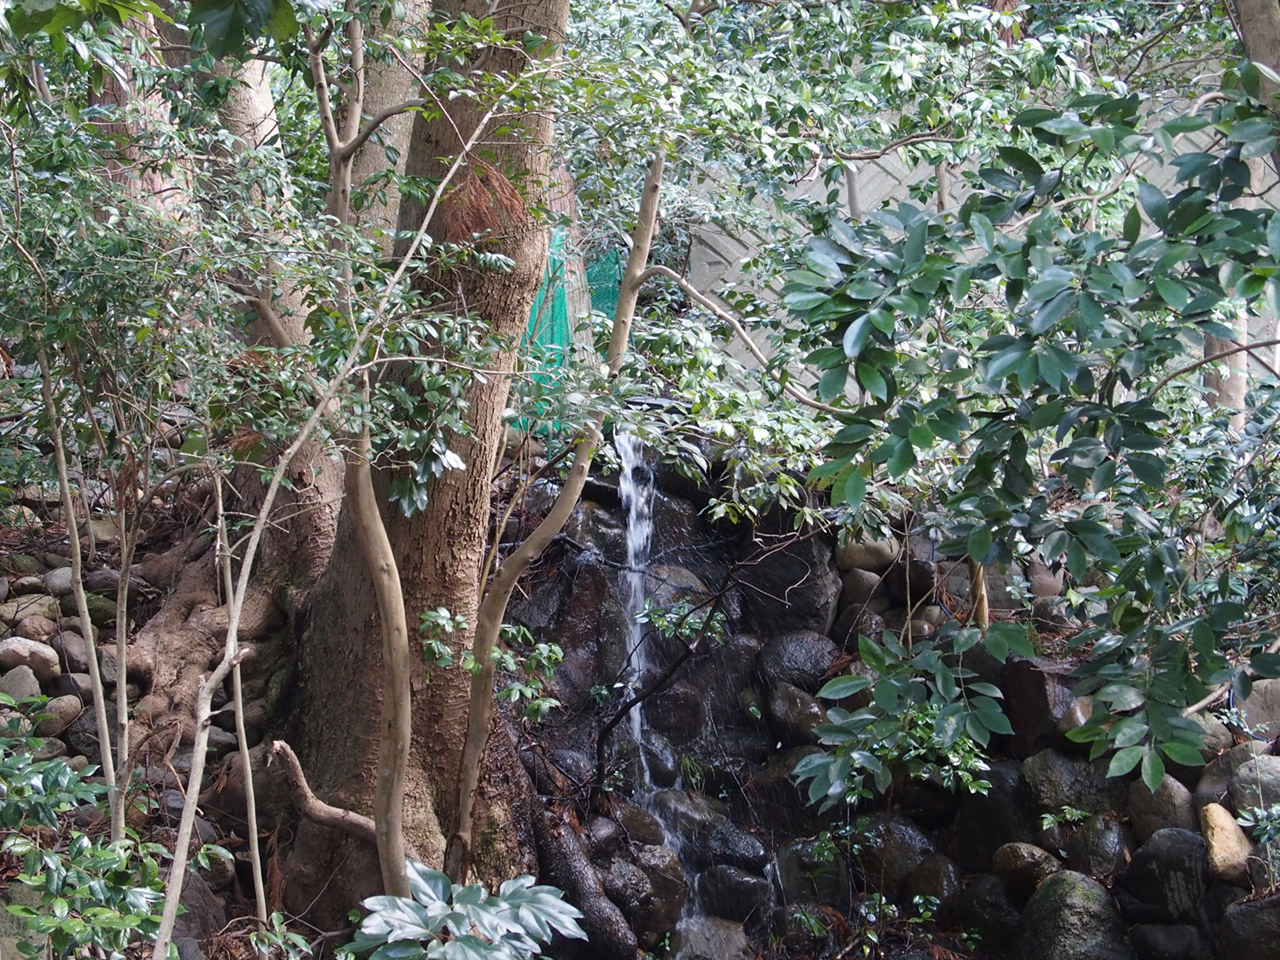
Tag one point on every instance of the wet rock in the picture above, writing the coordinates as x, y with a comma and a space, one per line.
794, 588
4, 589
1072, 917
1251, 929
733, 893
814, 872
987, 822
1036, 699
1158, 941
775, 796
935, 876
82, 734
1100, 847
800, 659
58, 581
678, 713
1256, 783
687, 812
890, 848
35, 627
33, 605
628, 886
604, 837
61, 712
806, 931
1057, 780
1170, 806
670, 889
1169, 874
860, 586
874, 555
22, 652
205, 913
793, 715
637, 824
982, 905
1227, 848
711, 938
725, 842
855, 622
1024, 866
20, 683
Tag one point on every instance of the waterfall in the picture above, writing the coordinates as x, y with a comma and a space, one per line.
636, 489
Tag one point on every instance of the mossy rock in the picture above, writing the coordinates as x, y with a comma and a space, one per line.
102, 610
21, 565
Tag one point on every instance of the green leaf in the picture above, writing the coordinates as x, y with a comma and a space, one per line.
845, 685
983, 230
1182, 753
1023, 162
1172, 292
872, 380
1154, 202
854, 488
1132, 225
1125, 760
902, 458
1152, 770
978, 544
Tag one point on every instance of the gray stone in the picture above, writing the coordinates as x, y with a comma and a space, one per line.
62, 712
890, 847
813, 872
875, 555
1057, 780
1170, 806
35, 627
628, 886
1251, 929
793, 715
793, 588
20, 683
1260, 712
733, 893
29, 606
1228, 849
855, 622
670, 889
1036, 699
1169, 874
21, 564
687, 812
102, 610
21, 652
1024, 866
1072, 917
50, 749
1256, 783
58, 581
711, 938
4, 589
1100, 847
725, 842
800, 659
13, 929
604, 837
105, 581
25, 586
205, 914
860, 586
74, 651
986, 822
639, 825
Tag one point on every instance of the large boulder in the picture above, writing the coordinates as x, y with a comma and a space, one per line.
41, 658
1024, 866
1163, 941
20, 683
60, 713
800, 659
860, 587
813, 872
734, 893
793, 715
35, 627
723, 842
874, 555
1169, 876
1100, 847
1057, 780
983, 905
890, 848
1260, 713
711, 938
986, 822
1171, 805
1072, 917
1251, 929
1037, 699
31, 605
935, 876
670, 889
791, 587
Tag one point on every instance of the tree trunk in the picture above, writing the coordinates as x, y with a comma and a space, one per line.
440, 551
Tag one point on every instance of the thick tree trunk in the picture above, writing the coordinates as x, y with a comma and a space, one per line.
440, 551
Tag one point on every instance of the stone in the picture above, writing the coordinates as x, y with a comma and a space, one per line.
50, 749
1251, 929
1256, 783
986, 822
687, 812
1072, 917
25, 586
727, 843
1100, 847
793, 715
711, 938
628, 886
1024, 866
62, 712
20, 683
1043, 581
79, 763
854, 622
1159, 941
80, 684
82, 735
800, 659
21, 652
73, 650
891, 847
1057, 780
604, 837
35, 627
1228, 849
982, 905
1036, 698
677, 713
935, 876
813, 872
859, 587
58, 582
911, 583
102, 610
13, 929
733, 893
670, 889
875, 555
794, 587
1169, 874
1170, 806
4, 589
638, 824
1260, 712
105, 581
205, 914
33, 605
21, 564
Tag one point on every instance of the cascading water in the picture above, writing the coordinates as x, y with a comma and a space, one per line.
636, 488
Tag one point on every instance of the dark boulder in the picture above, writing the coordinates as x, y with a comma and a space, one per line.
1072, 917
733, 893
800, 659
1169, 874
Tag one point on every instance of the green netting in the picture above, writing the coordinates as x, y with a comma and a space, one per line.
604, 277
